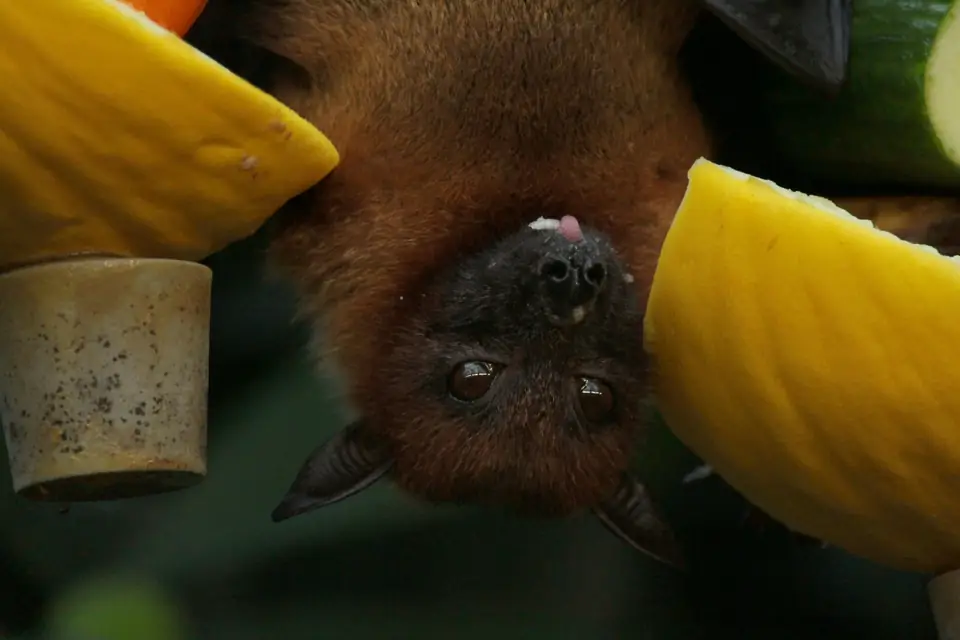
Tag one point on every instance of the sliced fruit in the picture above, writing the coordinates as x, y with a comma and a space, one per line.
120, 138
812, 360
176, 15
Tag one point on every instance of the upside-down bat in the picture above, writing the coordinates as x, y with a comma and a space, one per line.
476, 268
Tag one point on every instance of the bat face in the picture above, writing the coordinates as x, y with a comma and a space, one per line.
520, 382
517, 380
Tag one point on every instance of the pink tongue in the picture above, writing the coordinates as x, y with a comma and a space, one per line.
570, 229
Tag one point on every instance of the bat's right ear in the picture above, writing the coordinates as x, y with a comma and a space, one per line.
346, 464
631, 515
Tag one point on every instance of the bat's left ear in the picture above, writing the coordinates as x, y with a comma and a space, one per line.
346, 464
807, 38
632, 516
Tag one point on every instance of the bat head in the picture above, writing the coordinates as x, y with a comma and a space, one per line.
517, 380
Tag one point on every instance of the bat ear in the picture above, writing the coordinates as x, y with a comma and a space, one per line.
807, 38
346, 464
632, 516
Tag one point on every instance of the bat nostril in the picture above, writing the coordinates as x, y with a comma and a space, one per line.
595, 274
555, 269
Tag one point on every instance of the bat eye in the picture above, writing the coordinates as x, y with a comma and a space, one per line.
471, 380
596, 400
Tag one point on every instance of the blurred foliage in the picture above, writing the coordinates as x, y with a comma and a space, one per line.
208, 563
115, 609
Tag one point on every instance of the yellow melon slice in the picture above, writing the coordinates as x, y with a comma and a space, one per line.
812, 360
118, 137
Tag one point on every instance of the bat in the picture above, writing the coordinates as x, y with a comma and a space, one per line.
476, 268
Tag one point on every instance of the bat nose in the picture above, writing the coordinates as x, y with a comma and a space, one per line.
571, 285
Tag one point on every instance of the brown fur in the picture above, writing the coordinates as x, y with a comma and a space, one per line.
443, 141
459, 122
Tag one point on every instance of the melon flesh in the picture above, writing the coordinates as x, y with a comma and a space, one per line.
811, 360
117, 137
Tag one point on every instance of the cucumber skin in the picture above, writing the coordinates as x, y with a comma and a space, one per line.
876, 131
